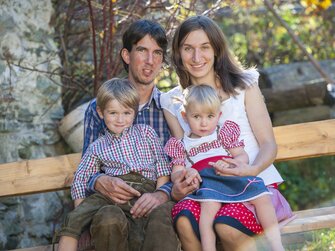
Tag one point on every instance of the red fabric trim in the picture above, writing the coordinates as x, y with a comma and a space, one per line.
202, 164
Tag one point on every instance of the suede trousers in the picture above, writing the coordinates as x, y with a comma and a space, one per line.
112, 227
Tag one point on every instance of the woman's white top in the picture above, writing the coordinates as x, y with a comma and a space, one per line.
232, 109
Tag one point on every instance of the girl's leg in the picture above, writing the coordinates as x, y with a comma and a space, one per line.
267, 218
188, 238
67, 243
207, 234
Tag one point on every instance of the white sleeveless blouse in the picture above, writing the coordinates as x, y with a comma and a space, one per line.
232, 109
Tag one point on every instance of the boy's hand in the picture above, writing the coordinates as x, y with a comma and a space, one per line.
116, 189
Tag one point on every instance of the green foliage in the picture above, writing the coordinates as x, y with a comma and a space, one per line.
316, 240
308, 183
256, 35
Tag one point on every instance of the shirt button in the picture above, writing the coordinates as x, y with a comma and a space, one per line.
139, 113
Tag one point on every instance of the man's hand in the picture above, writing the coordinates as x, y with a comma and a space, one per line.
116, 189
183, 185
147, 202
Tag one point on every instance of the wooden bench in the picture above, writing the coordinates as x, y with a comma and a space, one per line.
297, 141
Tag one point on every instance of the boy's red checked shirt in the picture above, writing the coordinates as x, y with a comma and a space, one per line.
138, 150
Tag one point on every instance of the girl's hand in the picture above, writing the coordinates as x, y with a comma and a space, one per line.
191, 172
183, 186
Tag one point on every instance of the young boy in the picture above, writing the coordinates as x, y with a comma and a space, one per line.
132, 153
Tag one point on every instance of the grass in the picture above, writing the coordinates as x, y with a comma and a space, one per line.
320, 240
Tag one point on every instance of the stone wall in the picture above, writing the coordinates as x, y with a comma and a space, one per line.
30, 111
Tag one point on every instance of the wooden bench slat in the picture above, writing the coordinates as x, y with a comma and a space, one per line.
305, 140
294, 142
42, 248
315, 212
38, 248
39, 175
55, 173
309, 223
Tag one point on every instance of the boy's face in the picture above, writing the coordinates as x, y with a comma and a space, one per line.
116, 116
201, 121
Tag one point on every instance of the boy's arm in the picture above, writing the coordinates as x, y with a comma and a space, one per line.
89, 165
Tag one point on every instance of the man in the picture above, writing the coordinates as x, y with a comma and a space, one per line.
143, 53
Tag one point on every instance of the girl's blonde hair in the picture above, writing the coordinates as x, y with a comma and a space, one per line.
203, 95
120, 90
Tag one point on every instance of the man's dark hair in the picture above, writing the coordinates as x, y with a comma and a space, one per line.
138, 30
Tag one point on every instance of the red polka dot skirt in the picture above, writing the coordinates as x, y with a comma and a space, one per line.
235, 215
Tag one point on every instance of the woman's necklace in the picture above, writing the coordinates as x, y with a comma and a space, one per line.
222, 95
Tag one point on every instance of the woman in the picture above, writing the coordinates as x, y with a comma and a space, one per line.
200, 54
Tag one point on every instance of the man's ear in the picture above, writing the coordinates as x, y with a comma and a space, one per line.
100, 113
125, 55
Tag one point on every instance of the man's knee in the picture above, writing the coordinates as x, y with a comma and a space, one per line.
109, 217
163, 211
159, 230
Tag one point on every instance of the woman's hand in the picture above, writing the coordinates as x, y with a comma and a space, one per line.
233, 167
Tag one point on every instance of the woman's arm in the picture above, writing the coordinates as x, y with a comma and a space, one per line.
261, 125
174, 126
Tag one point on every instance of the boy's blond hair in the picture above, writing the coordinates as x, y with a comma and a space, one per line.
120, 90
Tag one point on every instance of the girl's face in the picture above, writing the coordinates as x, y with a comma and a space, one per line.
197, 55
202, 122
116, 116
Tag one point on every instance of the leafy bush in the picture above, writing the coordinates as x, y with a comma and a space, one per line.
308, 183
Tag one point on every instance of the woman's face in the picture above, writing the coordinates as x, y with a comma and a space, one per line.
197, 55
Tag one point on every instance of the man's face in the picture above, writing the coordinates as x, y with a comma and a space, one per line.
145, 61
